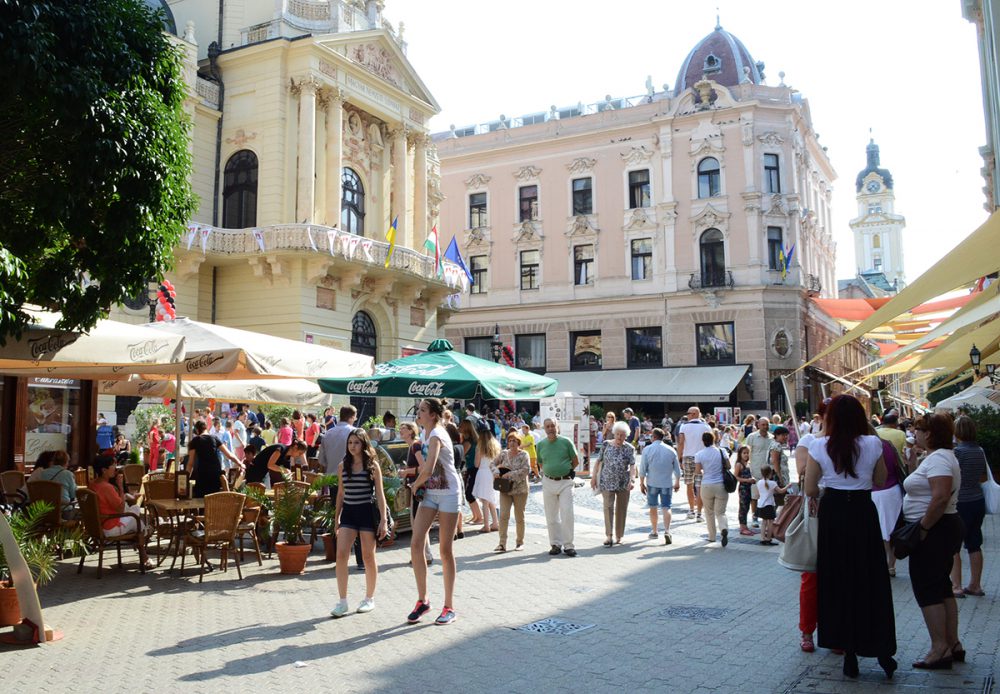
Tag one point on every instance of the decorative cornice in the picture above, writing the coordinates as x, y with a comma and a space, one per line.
528, 232
770, 138
637, 155
710, 217
583, 225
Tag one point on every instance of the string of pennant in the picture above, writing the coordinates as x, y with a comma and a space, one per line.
347, 245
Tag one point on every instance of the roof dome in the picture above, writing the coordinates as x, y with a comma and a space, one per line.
873, 166
167, 16
721, 57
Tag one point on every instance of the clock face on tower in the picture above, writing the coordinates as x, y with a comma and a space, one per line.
873, 186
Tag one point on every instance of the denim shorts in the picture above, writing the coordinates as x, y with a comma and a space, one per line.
663, 495
447, 502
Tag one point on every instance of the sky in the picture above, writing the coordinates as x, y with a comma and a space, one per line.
908, 70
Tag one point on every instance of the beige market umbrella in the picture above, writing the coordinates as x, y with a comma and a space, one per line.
43, 347
268, 391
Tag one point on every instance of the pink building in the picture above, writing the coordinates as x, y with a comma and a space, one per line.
635, 248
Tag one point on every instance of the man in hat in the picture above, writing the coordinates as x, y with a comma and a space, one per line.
890, 431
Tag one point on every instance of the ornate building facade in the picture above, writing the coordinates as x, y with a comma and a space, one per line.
309, 136
635, 247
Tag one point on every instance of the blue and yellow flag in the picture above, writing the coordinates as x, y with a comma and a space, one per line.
390, 236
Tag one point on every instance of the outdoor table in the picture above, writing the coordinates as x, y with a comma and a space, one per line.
181, 509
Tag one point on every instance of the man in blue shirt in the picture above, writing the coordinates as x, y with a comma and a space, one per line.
633, 425
659, 471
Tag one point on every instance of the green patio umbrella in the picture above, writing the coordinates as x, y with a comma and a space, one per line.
441, 372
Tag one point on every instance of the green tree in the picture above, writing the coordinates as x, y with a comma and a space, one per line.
94, 162
945, 393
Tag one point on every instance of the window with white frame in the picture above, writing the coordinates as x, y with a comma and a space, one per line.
774, 246
583, 196
709, 178
530, 262
638, 189
478, 217
479, 267
529, 352
528, 203
772, 174
479, 347
583, 265
642, 259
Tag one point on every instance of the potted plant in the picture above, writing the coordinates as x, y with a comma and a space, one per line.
286, 515
325, 518
39, 550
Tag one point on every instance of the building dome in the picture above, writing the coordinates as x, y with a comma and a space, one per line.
873, 166
721, 57
161, 8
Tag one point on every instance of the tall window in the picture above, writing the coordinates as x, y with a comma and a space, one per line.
642, 259
583, 265
530, 261
878, 264
716, 343
585, 350
239, 192
528, 203
529, 352
479, 347
352, 203
709, 178
876, 241
477, 211
364, 340
645, 347
479, 267
713, 259
638, 189
583, 196
774, 246
772, 174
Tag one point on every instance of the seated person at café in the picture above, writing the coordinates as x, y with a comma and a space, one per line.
203, 461
109, 486
275, 459
51, 467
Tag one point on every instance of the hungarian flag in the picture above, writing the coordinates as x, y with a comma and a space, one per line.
434, 248
390, 236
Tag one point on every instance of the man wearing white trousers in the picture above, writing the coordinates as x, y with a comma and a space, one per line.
558, 459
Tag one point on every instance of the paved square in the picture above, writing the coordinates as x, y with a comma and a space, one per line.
691, 617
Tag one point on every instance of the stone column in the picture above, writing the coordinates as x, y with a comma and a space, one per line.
305, 206
334, 154
400, 187
420, 188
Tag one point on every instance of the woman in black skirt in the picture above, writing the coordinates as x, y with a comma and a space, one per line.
855, 598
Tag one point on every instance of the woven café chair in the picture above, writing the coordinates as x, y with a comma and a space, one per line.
160, 524
51, 493
247, 528
93, 523
133, 478
11, 482
224, 482
222, 516
82, 475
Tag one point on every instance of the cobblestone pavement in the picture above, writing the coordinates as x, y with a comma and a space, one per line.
691, 617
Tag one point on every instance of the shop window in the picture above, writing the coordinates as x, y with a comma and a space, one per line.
529, 352
585, 350
645, 347
716, 343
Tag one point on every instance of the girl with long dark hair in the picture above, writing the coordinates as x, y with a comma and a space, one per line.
855, 597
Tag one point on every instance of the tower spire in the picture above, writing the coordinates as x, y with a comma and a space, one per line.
718, 23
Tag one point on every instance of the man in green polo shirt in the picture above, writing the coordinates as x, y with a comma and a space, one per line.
558, 459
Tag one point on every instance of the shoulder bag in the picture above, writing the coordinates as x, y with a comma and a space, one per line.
728, 478
801, 542
905, 539
991, 492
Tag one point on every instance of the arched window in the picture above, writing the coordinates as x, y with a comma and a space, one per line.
352, 210
364, 340
876, 241
239, 191
713, 259
709, 178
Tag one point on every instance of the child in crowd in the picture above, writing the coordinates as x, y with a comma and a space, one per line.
766, 488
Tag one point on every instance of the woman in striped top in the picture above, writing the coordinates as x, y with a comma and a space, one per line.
359, 491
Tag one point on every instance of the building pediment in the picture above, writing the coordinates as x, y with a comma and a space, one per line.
377, 54
709, 218
528, 232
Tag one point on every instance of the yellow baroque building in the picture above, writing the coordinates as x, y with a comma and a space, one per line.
308, 137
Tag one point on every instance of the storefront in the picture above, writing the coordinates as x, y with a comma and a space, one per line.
39, 413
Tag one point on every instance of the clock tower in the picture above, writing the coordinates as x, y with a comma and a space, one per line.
878, 230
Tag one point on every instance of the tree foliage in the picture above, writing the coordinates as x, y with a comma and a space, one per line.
94, 162
938, 395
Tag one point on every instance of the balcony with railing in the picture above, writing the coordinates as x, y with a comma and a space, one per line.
364, 256
721, 279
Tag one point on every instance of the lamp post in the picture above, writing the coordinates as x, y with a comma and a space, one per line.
975, 356
991, 372
496, 346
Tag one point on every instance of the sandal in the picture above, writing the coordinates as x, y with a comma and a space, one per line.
608, 542
500, 548
975, 593
807, 644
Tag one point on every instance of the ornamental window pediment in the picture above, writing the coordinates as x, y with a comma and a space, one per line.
527, 173
641, 218
583, 228
581, 165
478, 180
528, 235
710, 217
637, 155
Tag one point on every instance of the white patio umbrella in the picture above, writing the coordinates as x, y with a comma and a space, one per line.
108, 344
268, 391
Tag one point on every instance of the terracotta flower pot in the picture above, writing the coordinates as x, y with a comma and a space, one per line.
330, 546
292, 558
10, 610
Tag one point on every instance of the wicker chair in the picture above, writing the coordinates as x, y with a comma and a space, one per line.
82, 475
161, 525
11, 482
223, 512
51, 493
252, 512
93, 523
133, 478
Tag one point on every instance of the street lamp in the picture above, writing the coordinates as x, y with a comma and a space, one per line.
975, 356
991, 372
496, 346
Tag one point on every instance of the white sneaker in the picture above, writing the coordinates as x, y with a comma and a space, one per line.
367, 605
340, 610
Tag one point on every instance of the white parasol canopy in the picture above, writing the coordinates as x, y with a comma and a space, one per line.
269, 391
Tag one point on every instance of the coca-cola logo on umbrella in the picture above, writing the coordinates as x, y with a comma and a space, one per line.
144, 351
368, 387
424, 370
40, 346
202, 362
434, 389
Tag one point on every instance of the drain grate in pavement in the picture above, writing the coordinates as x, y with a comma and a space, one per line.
693, 613
554, 626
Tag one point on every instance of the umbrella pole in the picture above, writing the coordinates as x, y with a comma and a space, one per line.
177, 423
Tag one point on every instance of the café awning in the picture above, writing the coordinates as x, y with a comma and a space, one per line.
687, 384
